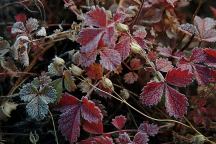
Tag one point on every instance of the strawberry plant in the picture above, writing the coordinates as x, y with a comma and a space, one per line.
108, 72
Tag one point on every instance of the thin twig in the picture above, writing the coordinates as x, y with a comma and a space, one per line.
54, 128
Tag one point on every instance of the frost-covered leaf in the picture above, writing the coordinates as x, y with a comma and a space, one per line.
89, 38
86, 59
85, 85
93, 128
32, 24
73, 111
130, 77
176, 103
123, 138
140, 138
96, 17
58, 86
95, 71
103, 140
203, 29
210, 57
179, 77
149, 129
41, 32
17, 28
90, 112
202, 74
123, 47
38, 99
110, 59
163, 65
135, 64
152, 93
68, 80
119, 121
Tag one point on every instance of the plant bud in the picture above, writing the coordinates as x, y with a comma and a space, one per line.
58, 61
122, 27
124, 94
76, 70
107, 83
6, 109
136, 48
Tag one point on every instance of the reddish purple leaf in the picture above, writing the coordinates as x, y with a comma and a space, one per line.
163, 65
96, 17
70, 120
179, 77
93, 128
123, 139
89, 38
86, 59
90, 112
149, 129
203, 29
210, 55
202, 74
119, 121
123, 47
110, 59
176, 103
152, 93
141, 138
130, 77
103, 140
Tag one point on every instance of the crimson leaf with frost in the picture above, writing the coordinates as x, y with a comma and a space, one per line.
163, 65
130, 77
100, 33
141, 138
203, 29
175, 102
123, 138
73, 110
150, 129
196, 64
179, 77
119, 121
38, 95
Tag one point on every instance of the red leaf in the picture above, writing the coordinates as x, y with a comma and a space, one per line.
72, 109
110, 59
21, 17
179, 77
103, 140
69, 122
176, 103
119, 121
130, 77
202, 74
149, 129
135, 64
203, 29
213, 11
90, 112
152, 93
68, 99
140, 138
95, 71
210, 57
93, 128
89, 38
88, 58
96, 17
163, 65
123, 139
123, 47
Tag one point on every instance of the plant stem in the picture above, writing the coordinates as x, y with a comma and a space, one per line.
54, 129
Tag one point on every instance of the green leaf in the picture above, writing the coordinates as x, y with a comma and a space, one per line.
57, 85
